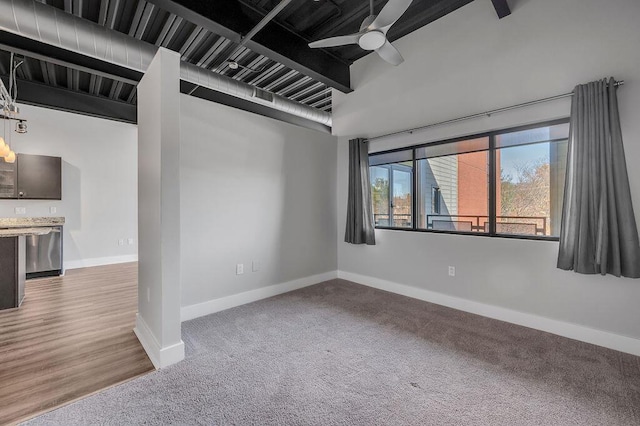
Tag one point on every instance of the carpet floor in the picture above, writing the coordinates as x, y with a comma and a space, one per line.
338, 353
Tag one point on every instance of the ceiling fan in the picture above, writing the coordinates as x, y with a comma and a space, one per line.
373, 32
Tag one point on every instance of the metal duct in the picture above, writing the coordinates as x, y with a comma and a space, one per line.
48, 25
205, 78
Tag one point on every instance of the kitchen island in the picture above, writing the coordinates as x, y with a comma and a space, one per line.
13, 264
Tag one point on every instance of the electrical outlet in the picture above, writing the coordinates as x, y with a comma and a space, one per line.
239, 269
255, 266
121, 242
52, 210
148, 295
130, 241
452, 271
21, 210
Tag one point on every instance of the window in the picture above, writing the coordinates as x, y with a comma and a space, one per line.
530, 170
392, 189
460, 172
505, 183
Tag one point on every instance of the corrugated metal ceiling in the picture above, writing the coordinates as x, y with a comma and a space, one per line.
145, 21
305, 19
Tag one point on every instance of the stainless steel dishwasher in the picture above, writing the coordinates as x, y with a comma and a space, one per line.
44, 254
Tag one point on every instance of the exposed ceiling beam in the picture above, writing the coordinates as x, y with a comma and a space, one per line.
220, 45
77, 8
102, 16
141, 19
32, 93
42, 51
255, 64
112, 13
502, 8
293, 87
75, 80
137, 16
193, 42
63, 63
69, 78
230, 19
169, 29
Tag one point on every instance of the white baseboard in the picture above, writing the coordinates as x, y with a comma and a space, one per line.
216, 305
160, 357
99, 261
561, 328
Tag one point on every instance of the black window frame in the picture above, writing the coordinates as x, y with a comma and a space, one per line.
391, 167
492, 181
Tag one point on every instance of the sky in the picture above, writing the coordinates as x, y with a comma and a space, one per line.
511, 157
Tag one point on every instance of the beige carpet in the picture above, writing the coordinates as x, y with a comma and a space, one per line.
343, 354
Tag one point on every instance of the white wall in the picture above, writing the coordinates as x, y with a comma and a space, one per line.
99, 183
470, 62
158, 324
252, 189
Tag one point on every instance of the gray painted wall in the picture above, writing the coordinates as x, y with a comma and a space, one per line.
253, 189
470, 62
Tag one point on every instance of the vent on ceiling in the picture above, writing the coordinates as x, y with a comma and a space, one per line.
262, 94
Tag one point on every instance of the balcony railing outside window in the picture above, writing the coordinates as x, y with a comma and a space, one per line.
512, 225
399, 220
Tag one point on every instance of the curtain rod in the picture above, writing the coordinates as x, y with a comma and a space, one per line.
481, 114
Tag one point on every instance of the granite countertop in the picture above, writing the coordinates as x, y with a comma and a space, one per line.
18, 232
30, 222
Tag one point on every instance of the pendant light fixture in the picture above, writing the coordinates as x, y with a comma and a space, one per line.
5, 150
9, 112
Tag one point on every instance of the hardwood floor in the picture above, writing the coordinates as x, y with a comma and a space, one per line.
72, 336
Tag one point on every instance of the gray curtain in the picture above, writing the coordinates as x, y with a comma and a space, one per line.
360, 228
598, 232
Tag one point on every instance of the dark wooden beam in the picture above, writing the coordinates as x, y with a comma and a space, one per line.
232, 19
502, 8
62, 99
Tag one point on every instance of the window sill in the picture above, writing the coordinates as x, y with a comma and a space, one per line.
475, 234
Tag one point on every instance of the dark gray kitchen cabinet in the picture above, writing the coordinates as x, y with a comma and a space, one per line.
8, 180
39, 177
12, 271
31, 177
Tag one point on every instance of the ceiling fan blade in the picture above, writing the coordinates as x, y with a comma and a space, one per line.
337, 41
390, 13
390, 54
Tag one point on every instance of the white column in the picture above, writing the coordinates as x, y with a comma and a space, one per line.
158, 319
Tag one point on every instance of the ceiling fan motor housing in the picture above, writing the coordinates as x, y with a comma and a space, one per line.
372, 40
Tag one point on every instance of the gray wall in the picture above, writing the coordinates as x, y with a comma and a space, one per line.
99, 183
253, 189
470, 62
